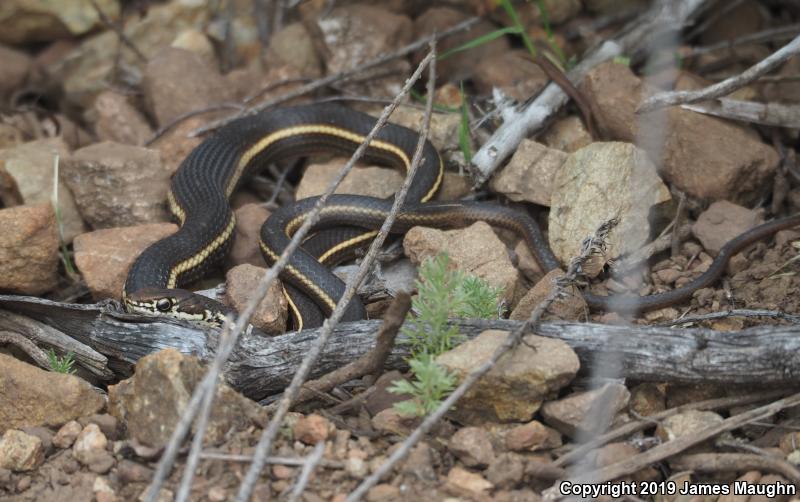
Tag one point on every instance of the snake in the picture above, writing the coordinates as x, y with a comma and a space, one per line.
200, 190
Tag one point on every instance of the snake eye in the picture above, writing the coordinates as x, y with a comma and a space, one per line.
164, 304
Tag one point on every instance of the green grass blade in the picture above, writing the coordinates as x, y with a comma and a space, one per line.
483, 39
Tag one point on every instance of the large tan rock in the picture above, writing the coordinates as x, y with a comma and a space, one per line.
15, 68
31, 167
118, 185
20, 451
104, 256
30, 396
706, 157
28, 249
600, 182
513, 73
515, 388
116, 119
723, 221
270, 315
372, 181
357, 33
152, 401
475, 250
529, 174
177, 81
586, 413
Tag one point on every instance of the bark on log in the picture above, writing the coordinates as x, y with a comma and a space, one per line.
263, 365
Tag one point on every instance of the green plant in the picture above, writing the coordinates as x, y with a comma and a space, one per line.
432, 383
441, 294
65, 256
463, 129
61, 364
551, 39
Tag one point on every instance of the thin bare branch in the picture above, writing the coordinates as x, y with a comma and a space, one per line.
772, 114
735, 462
772, 314
725, 87
38, 355
670, 448
308, 468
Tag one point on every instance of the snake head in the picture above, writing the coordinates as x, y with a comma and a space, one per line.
178, 304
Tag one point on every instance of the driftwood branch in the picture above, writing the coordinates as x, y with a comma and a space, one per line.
262, 365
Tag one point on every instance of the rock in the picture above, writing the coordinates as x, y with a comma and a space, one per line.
506, 471
28, 249
475, 250
103, 491
526, 262
197, 42
20, 452
472, 446
512, 72
86, 70
90, 441
24, 21
419, 463
594, 185
647, 399
357, 33
117, 120
687, 423
152, 401
293, 45
10, 136
567, 134
704, 156
532, 436
104, 256
177, 81
583, 412
384, 493
44, 434
175, 144
444, 127
529, 174
463, 483
67, 434
31, 397
454, 187
108, 424
372, 181
249, 219
569, 308
389, 421
461, 65
380, 398
133, 472
723, 221
270, 316
30, 165
15, 69
514, 389
118, 185
312, 429
618, 452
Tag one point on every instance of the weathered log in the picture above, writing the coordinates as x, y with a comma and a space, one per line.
263, 365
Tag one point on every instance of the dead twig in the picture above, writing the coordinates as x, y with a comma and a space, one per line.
772, 314
735, 462
675, 446
590, 246
117, 28
268, 436
771, 114
369, 363
650, 421
308, 468
725, 87
38, 355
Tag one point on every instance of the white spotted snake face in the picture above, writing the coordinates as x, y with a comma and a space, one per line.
178, 304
